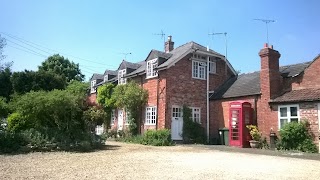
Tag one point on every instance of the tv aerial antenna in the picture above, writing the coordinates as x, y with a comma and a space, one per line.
267, 21
125, 54
162, 34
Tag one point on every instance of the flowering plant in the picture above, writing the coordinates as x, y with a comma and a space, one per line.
254, 132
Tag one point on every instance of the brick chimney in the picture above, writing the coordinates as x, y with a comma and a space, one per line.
270, 77
168, 45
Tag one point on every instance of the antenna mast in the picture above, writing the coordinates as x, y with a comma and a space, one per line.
267, 21
162, 34
125, 55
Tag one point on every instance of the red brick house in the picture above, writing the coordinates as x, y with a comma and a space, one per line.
278, 94
178, 76
173, 78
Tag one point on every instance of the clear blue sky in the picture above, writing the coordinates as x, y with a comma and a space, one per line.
100, 31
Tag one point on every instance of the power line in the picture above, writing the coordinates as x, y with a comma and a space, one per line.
26, 51
25, 48
29, 42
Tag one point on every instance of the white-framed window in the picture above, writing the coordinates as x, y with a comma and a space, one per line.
93, 89
99, 129
151, 115
113, 117
196, 114
105, 78
127, 117
151, 68
288, 113
199, 70
212, 67
121, 73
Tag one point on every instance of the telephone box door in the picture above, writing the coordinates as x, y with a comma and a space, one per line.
235, 127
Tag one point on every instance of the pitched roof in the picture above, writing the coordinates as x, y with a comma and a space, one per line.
299, 95
126, 64
249, 84
96, 76
173, 56
111, 72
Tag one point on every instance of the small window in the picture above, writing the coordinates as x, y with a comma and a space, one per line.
151, 68
127, 117
121, 79
151, 115
199, 70
288, 113
196, 115
113, 118
212, 67
93, 89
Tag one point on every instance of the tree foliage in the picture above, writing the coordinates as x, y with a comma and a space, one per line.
2, 45
63, 67
26, 81
4, 108
5, 83
57, 114
192, 132
132, 98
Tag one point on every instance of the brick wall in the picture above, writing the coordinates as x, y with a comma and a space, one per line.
182, 89
310, 78
219, 112
92, 99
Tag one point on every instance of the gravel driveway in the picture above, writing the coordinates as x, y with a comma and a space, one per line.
131, 161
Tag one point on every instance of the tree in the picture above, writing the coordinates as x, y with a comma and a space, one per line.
5, 83
132, 97
2, 45
26, 81
105, 100
62, 66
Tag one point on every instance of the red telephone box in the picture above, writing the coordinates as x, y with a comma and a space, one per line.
240, 116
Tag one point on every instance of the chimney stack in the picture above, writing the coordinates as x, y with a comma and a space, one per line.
270, 77
168, 45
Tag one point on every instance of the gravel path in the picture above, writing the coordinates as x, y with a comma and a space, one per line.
130, 161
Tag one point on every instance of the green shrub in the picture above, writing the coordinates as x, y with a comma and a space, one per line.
16, 122
296, 136
35, 139
192, 132
10, 142
160, 137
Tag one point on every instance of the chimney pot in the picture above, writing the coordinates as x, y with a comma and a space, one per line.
168, 45
265, 45
271, 46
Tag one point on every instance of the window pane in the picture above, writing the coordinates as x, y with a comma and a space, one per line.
283, 112
283, 122
293, 111
294, 119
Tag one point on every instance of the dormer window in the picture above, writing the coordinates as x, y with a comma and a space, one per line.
121, 79
105, 79
93, 89
151, 68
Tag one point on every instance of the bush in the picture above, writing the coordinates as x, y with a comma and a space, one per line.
296, 136
192, 132
10, 142
16, 122
157, 138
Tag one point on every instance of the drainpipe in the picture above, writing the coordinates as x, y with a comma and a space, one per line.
157, 101
208, 114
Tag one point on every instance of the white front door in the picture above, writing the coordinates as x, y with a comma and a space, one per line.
120, 119
176, 123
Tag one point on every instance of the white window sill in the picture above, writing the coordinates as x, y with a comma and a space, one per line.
150, 77
150, 124
198, 78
